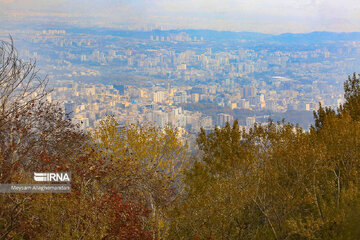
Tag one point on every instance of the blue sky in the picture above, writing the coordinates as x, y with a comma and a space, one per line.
268, 16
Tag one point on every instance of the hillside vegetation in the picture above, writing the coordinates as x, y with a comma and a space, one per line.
139, 181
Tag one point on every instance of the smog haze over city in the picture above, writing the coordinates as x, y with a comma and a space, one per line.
277, 16
189, 64
173, 120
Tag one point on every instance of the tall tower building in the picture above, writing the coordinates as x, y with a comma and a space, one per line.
223, 118
69, 108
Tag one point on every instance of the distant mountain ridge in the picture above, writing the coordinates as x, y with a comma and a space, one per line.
319, 36
213, 35
208, 35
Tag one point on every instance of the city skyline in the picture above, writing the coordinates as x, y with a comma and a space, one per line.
191, 79
273, 17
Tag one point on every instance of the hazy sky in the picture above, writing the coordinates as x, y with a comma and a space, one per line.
268, 16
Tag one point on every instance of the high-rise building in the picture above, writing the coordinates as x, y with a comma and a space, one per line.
250, 121
242, 103
160, 118
206, 123
195, 97
69, 108
158, 96
223, 118
180, 97
248, 91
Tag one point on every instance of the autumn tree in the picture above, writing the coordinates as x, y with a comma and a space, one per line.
352, 97
144, 164
35, 135
20, 83
276, 181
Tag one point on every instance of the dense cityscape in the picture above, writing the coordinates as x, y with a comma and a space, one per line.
189, 79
